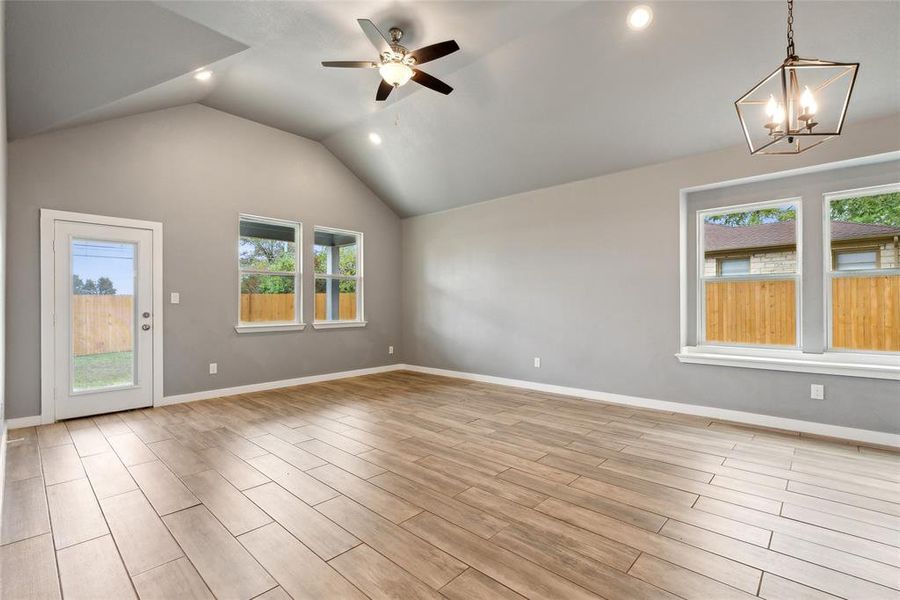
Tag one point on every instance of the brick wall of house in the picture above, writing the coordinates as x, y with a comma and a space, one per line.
762, 263
889, 255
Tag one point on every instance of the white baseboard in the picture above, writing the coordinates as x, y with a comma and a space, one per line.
822, 429
271, 385
879, 438
20, 422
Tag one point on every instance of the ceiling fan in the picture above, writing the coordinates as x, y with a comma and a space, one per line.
396, 64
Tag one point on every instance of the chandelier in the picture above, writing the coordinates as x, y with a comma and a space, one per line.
799, 105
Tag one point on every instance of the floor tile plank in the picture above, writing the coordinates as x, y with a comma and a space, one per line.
75, 515
237, 513
164, 491
175, 579
432, 566
29, 568
298, 571
93, 570
143, 540
382, 579
318, 533
226, 567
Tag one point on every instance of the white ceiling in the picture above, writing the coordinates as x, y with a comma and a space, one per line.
545, 92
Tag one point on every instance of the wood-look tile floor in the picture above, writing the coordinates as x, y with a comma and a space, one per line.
404, 485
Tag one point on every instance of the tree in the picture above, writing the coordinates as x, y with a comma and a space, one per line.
105, 287
755, 217
883, 209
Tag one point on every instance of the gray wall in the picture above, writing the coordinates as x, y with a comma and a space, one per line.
194, 169
586, 276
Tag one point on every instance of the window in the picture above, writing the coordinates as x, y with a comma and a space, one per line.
734, 266
338, 260
269, 273
749, 281
864, 272
850, 260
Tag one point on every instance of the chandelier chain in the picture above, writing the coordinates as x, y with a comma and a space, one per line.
791, 53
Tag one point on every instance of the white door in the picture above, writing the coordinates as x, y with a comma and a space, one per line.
103, 321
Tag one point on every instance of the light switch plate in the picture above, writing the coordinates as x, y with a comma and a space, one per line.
817, 391
175, 298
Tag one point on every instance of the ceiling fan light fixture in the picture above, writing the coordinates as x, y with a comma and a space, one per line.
395, 73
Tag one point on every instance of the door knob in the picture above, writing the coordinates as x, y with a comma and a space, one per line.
146, 315
145, 327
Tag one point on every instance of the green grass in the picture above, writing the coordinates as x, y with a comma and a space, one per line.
94, 371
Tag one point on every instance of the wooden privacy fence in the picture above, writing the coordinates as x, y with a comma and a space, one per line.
866, 312
280, 307
751, 312
101, 324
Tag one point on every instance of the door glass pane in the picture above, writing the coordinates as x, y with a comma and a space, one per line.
103, 334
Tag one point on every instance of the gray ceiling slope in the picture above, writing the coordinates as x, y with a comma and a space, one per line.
64, 59
546, 92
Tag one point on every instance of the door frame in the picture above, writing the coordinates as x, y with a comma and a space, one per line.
49, 219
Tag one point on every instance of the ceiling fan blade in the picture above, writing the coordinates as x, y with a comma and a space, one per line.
433, 83
375, 36
384, 90
428, 53
350, 64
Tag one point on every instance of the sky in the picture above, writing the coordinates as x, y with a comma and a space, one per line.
92, 259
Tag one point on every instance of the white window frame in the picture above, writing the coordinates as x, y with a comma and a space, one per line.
830, 272
360, 320
297, 323
702, 278
871, 365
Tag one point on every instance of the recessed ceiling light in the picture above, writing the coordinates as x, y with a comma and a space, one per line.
375, 138
204, 75
640, 17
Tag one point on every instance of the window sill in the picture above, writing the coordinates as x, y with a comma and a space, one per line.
851, 364
338, 324
270, 328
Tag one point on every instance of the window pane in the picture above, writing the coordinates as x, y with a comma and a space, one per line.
267, 298
335, 253
103, 275
865, 308
734, 266
767, 235
761, 312
267, 246
336, 299
864, 230
856, 261
760, 241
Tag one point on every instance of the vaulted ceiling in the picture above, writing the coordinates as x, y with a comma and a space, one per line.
545, 92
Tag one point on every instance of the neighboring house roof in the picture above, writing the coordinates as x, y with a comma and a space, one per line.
722, 237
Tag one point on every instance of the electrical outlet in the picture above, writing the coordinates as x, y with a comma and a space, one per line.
175, 298
213, 368
817, 391
390, 349
537, 362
